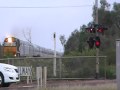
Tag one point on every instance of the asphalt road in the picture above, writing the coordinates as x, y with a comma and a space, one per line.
18, 88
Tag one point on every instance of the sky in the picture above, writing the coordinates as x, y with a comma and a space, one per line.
59, 16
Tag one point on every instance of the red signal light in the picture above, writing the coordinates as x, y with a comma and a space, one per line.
97, 42
91, 30
100, 30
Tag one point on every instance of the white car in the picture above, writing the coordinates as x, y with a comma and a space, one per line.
8, 74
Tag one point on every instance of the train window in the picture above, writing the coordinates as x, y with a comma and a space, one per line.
6, 40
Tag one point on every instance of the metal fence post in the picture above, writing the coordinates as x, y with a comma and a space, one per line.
45, 76
39, 76
105, 67
118, 63
60, 68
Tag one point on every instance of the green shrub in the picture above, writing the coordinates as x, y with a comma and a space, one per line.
111, 72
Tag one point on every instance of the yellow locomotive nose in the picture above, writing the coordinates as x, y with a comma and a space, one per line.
10, 47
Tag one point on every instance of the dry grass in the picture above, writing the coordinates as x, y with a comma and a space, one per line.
111, 86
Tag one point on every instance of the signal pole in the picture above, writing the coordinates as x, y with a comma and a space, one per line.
97, 49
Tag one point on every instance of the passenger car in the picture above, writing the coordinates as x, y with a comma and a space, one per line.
8, 74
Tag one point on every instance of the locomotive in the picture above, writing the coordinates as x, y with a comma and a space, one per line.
20, 48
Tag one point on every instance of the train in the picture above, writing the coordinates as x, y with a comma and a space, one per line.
18, 48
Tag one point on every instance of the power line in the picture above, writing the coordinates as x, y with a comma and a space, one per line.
47, 6
5, 7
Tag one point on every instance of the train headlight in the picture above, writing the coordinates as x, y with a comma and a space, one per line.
10, 40
15, 55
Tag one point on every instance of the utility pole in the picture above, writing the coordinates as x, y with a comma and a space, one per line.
97, 49
54, 61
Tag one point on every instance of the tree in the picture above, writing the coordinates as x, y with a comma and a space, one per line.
109, 18
27, 35
72, 44
116, 13
83, 36
104, 4
63, 41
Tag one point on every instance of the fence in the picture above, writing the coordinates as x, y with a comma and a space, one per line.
79, 67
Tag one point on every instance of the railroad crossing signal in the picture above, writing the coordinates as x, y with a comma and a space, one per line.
97, 29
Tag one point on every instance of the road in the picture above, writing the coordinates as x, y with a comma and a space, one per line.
19, 88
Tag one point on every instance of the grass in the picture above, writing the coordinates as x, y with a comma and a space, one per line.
85, 87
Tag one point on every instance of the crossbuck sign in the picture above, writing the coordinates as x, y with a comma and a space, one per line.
25, 71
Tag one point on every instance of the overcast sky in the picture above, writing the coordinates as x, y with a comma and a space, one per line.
51, 16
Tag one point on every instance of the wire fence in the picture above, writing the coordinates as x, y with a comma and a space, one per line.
77, 67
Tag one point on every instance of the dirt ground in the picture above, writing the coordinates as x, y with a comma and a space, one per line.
56, 83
